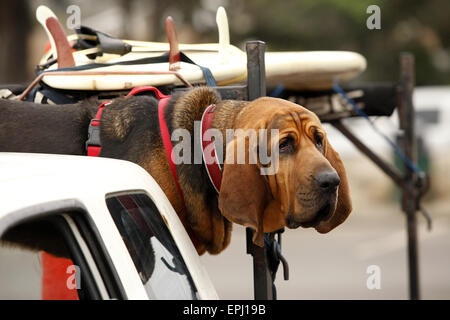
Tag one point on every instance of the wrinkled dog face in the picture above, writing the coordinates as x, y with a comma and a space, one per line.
306, 184
309, 187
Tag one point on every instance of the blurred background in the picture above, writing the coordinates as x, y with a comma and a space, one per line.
331, 266
421, 27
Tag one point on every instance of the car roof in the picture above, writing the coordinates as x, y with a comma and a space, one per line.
23, 165
44, 177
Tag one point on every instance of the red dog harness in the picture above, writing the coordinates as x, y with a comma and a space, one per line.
212, 164
93, 144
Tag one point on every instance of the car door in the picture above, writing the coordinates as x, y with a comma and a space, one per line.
80, 266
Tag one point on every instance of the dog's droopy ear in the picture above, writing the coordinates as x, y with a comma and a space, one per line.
243, 192
344, 202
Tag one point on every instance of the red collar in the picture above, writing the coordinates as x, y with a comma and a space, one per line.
212, 164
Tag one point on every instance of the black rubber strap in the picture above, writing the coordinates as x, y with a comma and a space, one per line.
158, 59
207, 74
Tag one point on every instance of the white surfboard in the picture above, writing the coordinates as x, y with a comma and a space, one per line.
310, 70
231, 72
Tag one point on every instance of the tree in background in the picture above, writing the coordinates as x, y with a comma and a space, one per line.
14, 28
421, 27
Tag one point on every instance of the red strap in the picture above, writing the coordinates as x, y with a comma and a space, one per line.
167, 142
98, 115
94, 150
140, 89
55, 278
168, 147
211, 162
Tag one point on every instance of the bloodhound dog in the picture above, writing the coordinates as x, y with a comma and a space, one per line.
309, 189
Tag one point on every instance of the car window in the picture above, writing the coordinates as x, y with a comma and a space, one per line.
151, 246
70, 277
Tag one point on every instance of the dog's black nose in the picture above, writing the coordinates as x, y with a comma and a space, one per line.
327, 181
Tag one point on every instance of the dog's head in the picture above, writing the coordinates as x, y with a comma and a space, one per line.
305, 186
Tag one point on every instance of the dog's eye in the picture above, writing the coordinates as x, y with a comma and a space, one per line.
318, 140
286, 145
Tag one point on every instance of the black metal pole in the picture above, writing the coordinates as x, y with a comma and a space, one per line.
262, 278
409, 194
383, 165
256, 69
256, 85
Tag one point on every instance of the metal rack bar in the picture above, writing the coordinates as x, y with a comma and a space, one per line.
409, 192
407, 181
385, 167
256, 87
263, 288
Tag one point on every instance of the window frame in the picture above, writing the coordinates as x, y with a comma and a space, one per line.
168, 231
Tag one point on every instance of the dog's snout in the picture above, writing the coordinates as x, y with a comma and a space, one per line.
327, 181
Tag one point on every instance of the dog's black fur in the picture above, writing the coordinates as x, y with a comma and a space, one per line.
37, 128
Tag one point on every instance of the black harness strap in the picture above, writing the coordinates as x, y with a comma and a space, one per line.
207, 74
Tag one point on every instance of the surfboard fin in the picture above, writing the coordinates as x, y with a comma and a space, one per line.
224, 34
174, 51
60, 47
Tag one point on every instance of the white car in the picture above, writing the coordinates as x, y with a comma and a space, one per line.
118, 227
